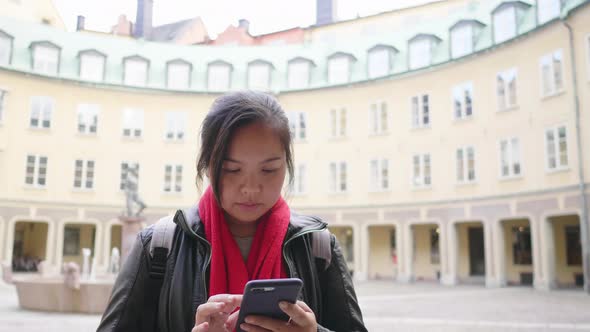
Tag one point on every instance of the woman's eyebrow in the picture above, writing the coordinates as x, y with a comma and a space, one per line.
262, 162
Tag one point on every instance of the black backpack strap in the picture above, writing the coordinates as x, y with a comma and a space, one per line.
321, 246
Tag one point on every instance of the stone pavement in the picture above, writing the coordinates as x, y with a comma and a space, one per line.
389, 306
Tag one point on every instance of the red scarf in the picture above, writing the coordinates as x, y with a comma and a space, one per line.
229, 272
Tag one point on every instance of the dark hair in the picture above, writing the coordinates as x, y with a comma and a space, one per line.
230, 112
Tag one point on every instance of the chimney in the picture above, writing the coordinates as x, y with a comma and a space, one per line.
80, 23
325, 11
143, 21
244, 24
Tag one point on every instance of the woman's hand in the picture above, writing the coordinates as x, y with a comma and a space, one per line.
302, 320
216, 315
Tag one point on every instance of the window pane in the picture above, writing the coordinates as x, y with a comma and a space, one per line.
460, 171
420, 53
136, 72
259, 76
298, 74
547, 10
178, 76
504, 24
379, 62
550, 143
562, 147
218, 77
5, 50
338, 70
92, 67
462, 40
384, 118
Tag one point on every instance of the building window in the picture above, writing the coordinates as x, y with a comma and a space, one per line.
552, 73
521, 246
259, 76
466, 164
5, 49
339, 69
510, 165
132, 122
548, 10
435, 245
41, 111
299, 180
420, 112
2, 104
504, 24
338, 122
506, 89
420, 53
463, 101
71, 241
421, 177
298, 125
126, 167
378, 118
178, 75
173, 178
379, 177
136, 72
556, 148
379, 62
175, 126
46, 59
36, 171
218, 77
92, 67
338, 177
84, 174
573, 245
88, 118
299, 74
462, 40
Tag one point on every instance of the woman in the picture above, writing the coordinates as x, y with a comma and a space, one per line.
241, 230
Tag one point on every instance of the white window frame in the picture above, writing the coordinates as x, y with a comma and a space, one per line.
462, 40
458, 95
379, 110
46, 106
379, 175
175, 126
299, 186
92, 66
87, 171
338, 122
298, 74
259, 76
552, 7
421, 171
298, 125
6, 43
506, 29
558, 152
505, 75
178, 75
420, 53
421, 117
133, 121
123, 174
511, 159
3, 96
465, 165
339, 69
87, 118
218, 77
136, 71
36, 175
173, 178
548, 61
338, 177
379, 62
46, 59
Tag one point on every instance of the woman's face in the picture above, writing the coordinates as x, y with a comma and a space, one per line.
252, 174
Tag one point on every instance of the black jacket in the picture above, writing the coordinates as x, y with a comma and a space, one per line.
328, 292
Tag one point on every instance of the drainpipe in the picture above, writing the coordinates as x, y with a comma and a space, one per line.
585, 237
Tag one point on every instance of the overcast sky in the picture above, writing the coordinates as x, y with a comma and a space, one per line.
264, 15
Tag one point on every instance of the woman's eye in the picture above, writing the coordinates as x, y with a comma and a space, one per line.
269, 170
231, 170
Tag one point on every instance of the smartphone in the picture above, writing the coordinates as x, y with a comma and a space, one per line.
262, 297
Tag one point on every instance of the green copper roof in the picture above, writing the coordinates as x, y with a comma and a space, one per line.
117, 48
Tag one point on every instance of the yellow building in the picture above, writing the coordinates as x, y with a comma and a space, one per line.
451, 150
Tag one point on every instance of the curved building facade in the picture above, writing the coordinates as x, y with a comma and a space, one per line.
451, 150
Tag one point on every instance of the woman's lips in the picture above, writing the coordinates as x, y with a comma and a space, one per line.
248, 206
